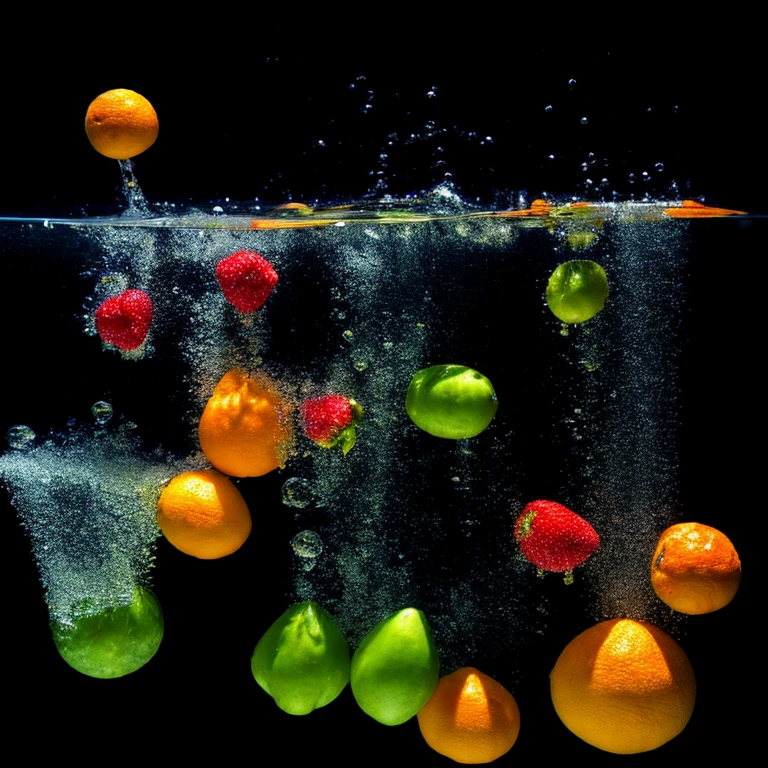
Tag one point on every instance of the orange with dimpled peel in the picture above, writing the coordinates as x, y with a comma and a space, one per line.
121, 124
470, 718
623, 686
695, 568
244, 430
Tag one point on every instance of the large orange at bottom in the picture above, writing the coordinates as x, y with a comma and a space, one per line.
470, 718
244, 430
624, 686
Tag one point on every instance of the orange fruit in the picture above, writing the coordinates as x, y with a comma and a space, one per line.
623, 686
121, 124
470, 717
203, 514
244, 430
695, 568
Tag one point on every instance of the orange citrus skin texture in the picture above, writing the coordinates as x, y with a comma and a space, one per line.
623, 686
695, 568
244, 430
470, 718
203, 514
121, 124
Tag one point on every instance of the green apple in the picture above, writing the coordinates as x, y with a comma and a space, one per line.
302, 661
396, 667
114, 641
451, 401
577, 291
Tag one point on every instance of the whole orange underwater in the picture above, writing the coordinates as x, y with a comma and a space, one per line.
623, 686
695, 568
121, 124
245, 429
203, 514
470, 717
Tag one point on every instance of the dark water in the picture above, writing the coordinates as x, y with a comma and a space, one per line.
633, 419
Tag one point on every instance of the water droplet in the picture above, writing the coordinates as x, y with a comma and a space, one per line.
20, 436
571, 83
307, 546
217, 210
348, 335
102, 412
631, 178
548, 108
646, 176
298, 492
431, 94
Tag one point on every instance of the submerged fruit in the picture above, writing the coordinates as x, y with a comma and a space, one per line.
121, 124
451, 401
203, 514
395, 668
623, 686
470, 718
114, 641
124, 320
553, 538
244, 430
577, 290
246, 279
332, 420
302, 661
695, 568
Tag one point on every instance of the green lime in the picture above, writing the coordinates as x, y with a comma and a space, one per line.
577, 291
451, 401
302, 661
114, 641
395, 669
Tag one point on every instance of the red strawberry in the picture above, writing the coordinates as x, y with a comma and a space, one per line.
246, 279
124, 320
553, 538
332, 419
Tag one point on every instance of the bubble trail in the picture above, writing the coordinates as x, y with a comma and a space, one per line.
88, 505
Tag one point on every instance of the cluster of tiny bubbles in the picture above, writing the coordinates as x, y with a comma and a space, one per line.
20, 437
300, 493
622, 413
307, 546
88, 504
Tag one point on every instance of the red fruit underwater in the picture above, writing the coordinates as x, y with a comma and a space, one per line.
553, 538
331, 419
124, 320
246, 279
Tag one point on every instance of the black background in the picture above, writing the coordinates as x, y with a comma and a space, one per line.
241, 103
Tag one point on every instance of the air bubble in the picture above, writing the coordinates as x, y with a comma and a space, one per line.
299, 493
102, 412
307, 546
584, 120
548, 108
19, 436
659, 167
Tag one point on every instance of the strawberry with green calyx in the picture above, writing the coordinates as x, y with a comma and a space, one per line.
332, 420
553, 538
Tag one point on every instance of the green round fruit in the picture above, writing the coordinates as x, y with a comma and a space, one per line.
396, 667
577, 291
112, 642
302, 661
451, 401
